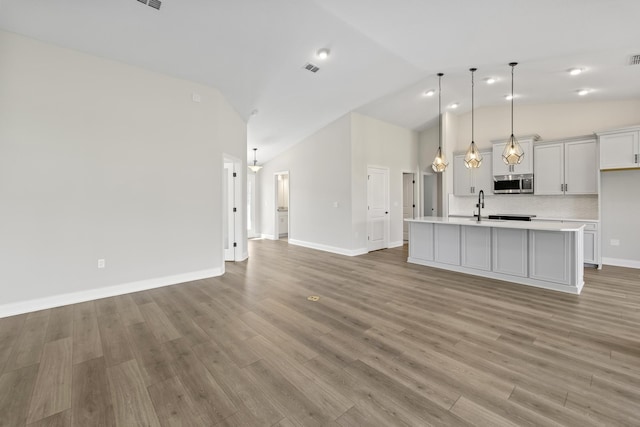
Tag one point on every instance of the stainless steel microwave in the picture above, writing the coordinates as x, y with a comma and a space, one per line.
513, 184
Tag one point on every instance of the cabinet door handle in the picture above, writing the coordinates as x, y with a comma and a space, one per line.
566, 187
561, 187
635, 158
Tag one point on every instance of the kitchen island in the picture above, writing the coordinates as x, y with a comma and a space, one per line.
546, 255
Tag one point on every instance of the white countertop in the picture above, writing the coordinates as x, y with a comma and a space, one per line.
522, 225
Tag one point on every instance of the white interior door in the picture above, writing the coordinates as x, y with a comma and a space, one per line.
408, 202
378, 208
228, 216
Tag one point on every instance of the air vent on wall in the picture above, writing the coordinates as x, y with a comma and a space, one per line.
634, 60
311, 67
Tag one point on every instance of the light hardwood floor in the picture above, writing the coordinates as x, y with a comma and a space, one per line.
388, 343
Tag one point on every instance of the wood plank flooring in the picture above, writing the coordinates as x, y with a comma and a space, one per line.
388, 344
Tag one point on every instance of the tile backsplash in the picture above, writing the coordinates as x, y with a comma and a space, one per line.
569, 207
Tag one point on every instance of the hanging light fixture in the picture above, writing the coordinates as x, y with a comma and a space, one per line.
440, 162
473, 158
512, 154
254, 167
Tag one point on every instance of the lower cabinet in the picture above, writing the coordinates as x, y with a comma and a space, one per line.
447, 244
510, 251
421, 241
551, 255
476, 247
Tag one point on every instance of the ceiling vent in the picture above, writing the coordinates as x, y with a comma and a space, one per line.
153, 3
311, 67
634, 60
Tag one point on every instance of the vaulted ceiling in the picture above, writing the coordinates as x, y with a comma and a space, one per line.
383, 53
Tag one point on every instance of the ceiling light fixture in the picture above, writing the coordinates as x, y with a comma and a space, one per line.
440, 162
254, 167
473, 158
323, 53
509, 97
454, 105
575, 71
429, 92
583, 92
490, 80
512, 154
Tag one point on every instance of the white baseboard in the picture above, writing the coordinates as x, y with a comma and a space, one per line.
327, 248
396, 244
269, 236
28, 306
621, 262
244, 257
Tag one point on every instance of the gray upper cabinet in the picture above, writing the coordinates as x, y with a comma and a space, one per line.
526, 167
569, 167
469, 182
620, 149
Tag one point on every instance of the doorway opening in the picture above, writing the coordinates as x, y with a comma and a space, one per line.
282, 214
429, 195
408, 201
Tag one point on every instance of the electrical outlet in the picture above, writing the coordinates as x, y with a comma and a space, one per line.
101, 263
615, 242
196, 97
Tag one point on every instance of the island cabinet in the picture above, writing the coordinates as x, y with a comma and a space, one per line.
620, 149
545, 254
566, 168
476, 247
510, 253
525, 167
550, 256
469, 182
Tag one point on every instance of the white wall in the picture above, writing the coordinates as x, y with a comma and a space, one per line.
620, 206
103, 160
319, 176
377, 143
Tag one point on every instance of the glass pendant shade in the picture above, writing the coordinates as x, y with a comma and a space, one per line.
254, 167
512, 154
473, 158
439, 163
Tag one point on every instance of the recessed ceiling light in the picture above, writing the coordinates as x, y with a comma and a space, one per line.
575, 71
429, 92
454, 105
490, 80
254, 112
583, 92
323, 53
509, 97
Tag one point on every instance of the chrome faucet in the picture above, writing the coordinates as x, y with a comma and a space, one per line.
480, 204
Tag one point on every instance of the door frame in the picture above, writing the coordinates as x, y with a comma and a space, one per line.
415, 210
387, 218
233, 223
276, 219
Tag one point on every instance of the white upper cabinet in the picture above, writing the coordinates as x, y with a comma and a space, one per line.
468, 182
581, 167
620, 149
566, 168
526, 167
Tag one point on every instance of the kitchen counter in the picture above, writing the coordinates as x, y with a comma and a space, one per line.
497, 223
545, 254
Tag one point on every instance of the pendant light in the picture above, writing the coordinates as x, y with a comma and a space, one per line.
254, 167
440, 162
473, 158
512, 154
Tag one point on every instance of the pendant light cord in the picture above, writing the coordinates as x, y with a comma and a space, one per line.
472, 91
513, 65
